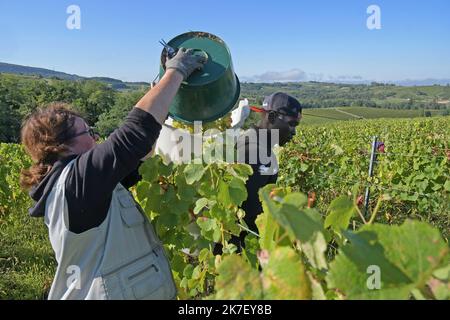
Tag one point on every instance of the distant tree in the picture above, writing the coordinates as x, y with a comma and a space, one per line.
94, 99
113, 117
9, 124
10, 101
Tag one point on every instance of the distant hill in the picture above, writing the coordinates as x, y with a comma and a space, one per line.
311, 94
424, 82
46, 73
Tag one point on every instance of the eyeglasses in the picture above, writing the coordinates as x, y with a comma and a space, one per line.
91, 132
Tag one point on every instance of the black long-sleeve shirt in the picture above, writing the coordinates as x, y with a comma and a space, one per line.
252, 205
96, 173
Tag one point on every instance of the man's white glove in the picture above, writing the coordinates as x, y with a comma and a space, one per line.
240, 114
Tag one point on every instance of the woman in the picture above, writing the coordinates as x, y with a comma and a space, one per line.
105, 247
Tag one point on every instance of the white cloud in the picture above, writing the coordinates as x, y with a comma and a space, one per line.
290, 75
298, 75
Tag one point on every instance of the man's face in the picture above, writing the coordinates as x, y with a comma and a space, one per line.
287, 127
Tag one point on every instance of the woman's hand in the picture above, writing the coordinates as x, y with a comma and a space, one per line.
186, 62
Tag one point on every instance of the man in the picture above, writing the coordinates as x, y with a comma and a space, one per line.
281, 114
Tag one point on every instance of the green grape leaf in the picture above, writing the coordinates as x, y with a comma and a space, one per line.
307, 226
194, 172
154, 199
168, 199
236, 280
188, 270
165, 170
314, 249
241, 171
217, 235
149, 169
184, 190
200, 204
341, 209
229, 223
443, 273
179, 206
206, 224
265, 221
440, 289
204, 254
301, 223
317, 292
284, 276
196, 273
208, 185
217, 212
388, 262
168, 220
142, 190
232, 193
250, 250
296, 199
238, 191
210, 229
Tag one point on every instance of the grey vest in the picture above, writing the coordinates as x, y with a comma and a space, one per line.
120, 259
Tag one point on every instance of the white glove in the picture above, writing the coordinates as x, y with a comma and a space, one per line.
240, 114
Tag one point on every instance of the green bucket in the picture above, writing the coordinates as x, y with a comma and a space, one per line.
209, 94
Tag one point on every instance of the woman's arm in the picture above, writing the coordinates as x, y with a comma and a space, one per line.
96, 173
157, 100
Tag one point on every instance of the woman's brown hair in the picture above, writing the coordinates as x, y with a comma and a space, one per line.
43, 135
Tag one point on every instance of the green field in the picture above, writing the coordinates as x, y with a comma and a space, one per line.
326, 115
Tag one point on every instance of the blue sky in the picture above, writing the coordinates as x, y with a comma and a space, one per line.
292, 39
